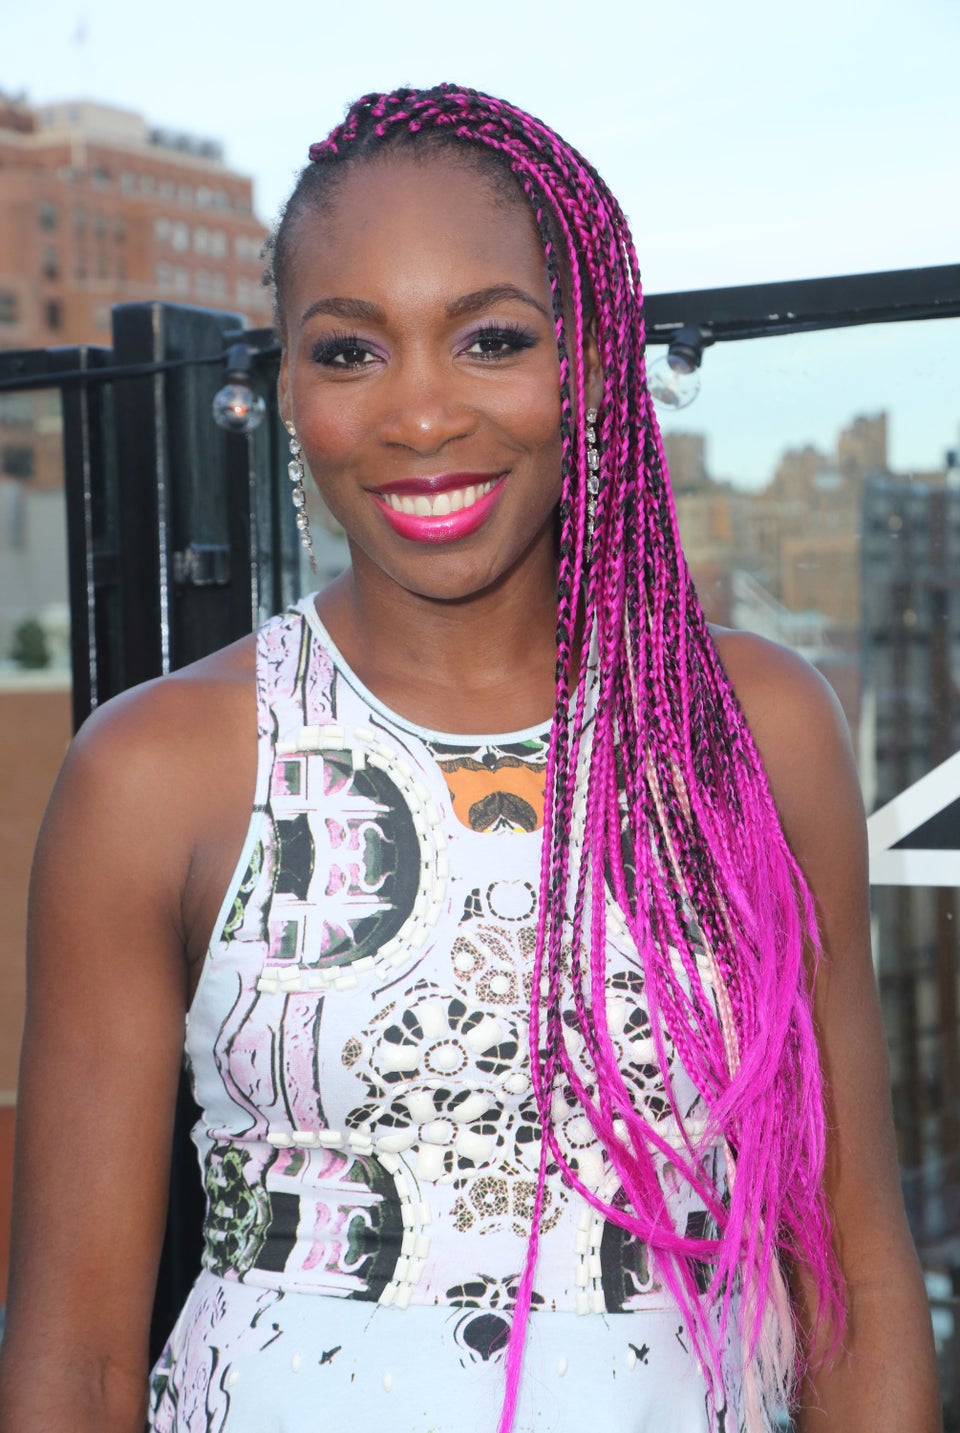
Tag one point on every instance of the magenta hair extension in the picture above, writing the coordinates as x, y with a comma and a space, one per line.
655, 789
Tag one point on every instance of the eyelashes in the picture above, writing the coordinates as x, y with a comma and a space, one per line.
489, 341
502, 339
341, 350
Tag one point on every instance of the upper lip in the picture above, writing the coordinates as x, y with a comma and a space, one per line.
440, 483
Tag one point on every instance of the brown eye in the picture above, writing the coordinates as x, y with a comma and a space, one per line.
342, 351
500, 341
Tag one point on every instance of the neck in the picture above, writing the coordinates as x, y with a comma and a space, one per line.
479, 663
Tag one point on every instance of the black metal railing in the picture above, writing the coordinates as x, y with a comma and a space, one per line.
177, 539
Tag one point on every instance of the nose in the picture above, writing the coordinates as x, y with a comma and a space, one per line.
422, 409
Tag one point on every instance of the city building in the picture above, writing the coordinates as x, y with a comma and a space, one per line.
97, 209
910, 665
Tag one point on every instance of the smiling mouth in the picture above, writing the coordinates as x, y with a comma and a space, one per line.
439, 504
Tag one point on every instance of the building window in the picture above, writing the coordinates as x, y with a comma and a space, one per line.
50, 265
53, 313
79, 219
102, 317
9, 308
181, 281
202, 284
100, 176
168, 190
17, 460
119, 228
247, 248
219, 286
185, 194
99, 225
201, 240
128, 182
180, 237
164, 277
218, 244
48, 215
162, 229
17, 410
204, 197
250, 293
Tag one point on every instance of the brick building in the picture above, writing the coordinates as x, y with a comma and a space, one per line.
96, 208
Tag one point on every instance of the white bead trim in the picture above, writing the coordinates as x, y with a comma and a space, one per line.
415, 1242
587, 1269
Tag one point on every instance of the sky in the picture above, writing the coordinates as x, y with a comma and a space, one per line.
747, 142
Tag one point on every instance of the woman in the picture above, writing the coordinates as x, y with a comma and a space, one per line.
531, 1012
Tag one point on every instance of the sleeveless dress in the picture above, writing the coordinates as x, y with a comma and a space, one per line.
369, 1139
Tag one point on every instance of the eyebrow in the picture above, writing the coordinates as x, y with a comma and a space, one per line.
486, 298
344, 308
363, 312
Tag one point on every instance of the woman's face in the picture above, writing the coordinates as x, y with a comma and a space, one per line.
421, 374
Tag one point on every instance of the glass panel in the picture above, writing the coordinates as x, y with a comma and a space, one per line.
818, 492
35, 699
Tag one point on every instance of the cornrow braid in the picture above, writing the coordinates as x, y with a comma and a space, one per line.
654, 792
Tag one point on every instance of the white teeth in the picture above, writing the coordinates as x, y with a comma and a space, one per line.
441, 504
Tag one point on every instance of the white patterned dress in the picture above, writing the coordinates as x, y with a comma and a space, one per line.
369, 1139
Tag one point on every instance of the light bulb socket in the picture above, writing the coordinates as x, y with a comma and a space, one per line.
686, 347
238, 363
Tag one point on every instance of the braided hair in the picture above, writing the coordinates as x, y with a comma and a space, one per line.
655, 794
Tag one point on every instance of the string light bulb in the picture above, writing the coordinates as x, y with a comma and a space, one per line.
674, 380
237, 407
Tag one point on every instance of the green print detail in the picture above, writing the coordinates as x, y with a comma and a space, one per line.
237, 1215
246, 888
289, 941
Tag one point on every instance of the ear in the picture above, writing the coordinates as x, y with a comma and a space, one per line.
592, 367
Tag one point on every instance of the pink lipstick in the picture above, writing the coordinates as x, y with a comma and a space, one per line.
440, 509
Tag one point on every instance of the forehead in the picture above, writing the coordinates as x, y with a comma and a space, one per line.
405, 222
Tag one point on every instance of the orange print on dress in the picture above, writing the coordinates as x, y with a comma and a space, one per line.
502, 793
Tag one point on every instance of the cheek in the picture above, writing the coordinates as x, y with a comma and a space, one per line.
541, 419
331, 436
532, 411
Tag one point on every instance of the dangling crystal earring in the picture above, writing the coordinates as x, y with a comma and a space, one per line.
593, 479
295, 469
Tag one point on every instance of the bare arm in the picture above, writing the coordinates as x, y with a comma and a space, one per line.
107, 990
884, 1381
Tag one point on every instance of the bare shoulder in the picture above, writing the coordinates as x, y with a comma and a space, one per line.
162, 725
786, 701
164, 760
800, 732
